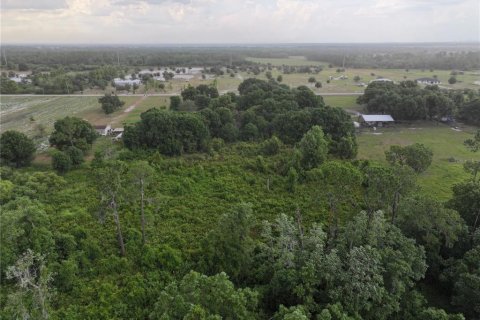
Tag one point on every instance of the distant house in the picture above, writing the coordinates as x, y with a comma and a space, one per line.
21, 78
103, 130
427, 81
123, 82
185, 77
375, 120
381, 80
116, 131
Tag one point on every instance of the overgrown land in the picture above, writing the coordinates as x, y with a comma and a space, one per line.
266, 203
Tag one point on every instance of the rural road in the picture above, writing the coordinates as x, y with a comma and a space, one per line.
158, 94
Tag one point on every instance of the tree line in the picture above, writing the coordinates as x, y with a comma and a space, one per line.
408, 101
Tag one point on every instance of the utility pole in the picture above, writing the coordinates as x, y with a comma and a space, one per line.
5, 56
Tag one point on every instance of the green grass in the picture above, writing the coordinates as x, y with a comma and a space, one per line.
345, 102
144, 105
27, 113
18, 112
447, 145
366, 74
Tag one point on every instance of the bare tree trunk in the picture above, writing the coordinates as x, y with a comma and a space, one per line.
119, 229
41, 298
332, 220
142, 210
476, 221
298, 215
396, 198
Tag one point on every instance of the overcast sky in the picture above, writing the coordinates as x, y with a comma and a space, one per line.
238, 21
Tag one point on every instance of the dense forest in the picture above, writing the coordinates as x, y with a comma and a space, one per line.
248, 206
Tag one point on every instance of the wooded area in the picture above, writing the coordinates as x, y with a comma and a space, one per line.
248, 206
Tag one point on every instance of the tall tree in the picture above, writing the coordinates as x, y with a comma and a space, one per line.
228, 247
141, 174
33, 287
314, 148
110, 182
197, 296
473, 167
16, 148
384, 187
342, 182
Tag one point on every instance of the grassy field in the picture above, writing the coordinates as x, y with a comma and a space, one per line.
348, 85
144, 105
446, 143
345, 102
227, 83
28, 113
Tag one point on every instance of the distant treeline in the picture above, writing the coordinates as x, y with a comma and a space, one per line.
419, 56
85, 58
453, 60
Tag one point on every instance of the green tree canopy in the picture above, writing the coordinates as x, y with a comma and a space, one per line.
72, 132
197, 296
314, 148
110, 103
417, 156
16, 148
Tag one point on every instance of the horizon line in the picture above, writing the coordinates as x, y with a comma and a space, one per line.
473, 42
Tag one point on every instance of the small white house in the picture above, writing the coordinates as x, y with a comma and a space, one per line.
381, 80
375, 120
428, 81
103, 130
123, 82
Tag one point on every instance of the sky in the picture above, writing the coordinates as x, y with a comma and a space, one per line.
238, 21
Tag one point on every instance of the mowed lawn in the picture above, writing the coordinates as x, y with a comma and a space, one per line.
449, 153
349, 103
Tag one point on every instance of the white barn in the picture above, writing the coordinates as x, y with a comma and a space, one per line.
375, 120
103, 130
428, 81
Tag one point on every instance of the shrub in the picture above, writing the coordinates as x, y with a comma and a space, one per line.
61, 162
271, 146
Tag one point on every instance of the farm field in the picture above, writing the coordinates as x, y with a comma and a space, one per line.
28, 113
449, 153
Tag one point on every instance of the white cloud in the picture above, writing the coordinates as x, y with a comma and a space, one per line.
238, 21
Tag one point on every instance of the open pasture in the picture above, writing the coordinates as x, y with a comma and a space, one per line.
366, 75
449, 153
